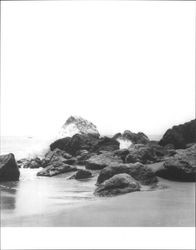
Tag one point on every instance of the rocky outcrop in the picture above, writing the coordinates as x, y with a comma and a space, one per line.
8, 168
118, 184
105, 144
134, 138
180, 135
180, 167
73, 144
97, 162
56, 168
81, 174
138, 171
77, 125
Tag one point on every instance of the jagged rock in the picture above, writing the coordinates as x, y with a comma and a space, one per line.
105, 144
56, 153
55, 169
77, 125
97, 162
180, 167
118, 184
138, 171
8, 168
81, 174
180, 135
30, 163
76, 143
134, 138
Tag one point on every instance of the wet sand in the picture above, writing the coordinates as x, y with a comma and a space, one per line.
171, 207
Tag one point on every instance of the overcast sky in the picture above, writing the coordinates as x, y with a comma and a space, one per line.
121, 65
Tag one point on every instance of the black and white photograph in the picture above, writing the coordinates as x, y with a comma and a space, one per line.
98, 124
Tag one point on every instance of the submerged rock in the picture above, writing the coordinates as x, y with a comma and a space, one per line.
180, 135
118, 184
78, 125
138, 171
81, 174
97, 162
8, 168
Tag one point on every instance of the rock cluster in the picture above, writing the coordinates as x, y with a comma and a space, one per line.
118, 170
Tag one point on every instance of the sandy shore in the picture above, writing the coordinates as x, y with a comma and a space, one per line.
172, 206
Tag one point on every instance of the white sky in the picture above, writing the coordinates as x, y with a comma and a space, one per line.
122, 65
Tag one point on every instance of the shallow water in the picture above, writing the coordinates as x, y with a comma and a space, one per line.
37, 195
58, 201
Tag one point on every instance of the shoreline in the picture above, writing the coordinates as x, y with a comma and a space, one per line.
170, 207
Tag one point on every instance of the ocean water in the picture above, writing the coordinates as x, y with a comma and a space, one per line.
24, 147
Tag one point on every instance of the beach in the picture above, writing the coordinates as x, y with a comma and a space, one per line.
75, 205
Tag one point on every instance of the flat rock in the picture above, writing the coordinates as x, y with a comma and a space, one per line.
97, 162
8, 168
118, 184
55, 169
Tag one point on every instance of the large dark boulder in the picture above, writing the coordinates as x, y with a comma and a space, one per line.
179, 170
181, 166
81, 174
105, 144
118, 184
73, 144
62, 144
180, 135
138, 171
97, 162
8, 168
